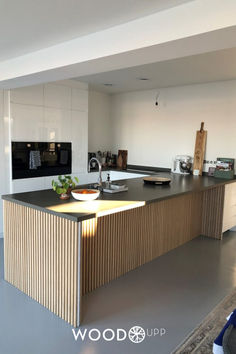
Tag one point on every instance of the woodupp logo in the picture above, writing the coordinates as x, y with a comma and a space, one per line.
136, 334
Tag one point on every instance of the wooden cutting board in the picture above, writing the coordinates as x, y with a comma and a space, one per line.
122, 159
200, 147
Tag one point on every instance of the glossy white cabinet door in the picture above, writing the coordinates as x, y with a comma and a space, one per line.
79, 138
27, 123
118, 175
57, 125
57, 96
31, 95
79, 99
27, 184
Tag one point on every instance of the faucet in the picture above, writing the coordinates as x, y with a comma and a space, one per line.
100, 170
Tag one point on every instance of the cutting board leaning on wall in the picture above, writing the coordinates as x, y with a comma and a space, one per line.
200, 148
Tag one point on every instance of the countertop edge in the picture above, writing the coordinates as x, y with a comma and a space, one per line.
49, 211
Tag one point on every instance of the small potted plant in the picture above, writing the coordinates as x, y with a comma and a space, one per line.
64, 185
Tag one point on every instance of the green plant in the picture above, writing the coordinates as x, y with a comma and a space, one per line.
64, 184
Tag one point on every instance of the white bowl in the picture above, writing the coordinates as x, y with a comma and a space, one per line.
79, 195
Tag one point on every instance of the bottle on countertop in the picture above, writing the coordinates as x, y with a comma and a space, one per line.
108, 181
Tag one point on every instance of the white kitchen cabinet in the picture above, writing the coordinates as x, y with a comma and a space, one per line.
27, 184
79, 99
57, 125
79, 138
229, 214
27, 123
30, 95
119, 175
57, 96
114, 176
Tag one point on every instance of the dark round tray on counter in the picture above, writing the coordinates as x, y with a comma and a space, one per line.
157, 180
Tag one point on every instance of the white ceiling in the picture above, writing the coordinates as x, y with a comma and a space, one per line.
29, 25
207, 67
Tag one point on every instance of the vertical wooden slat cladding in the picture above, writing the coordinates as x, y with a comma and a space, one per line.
212, 212
41, 257
117, 243
90, 251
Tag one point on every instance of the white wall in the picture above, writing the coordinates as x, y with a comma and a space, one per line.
51, 112
99, 123
154, 135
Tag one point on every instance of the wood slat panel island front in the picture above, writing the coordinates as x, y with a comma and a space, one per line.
56, 251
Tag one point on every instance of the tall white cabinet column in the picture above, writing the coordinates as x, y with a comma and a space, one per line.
55, 111
51, 112
4, 150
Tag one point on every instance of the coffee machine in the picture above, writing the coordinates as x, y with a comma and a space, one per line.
182, 164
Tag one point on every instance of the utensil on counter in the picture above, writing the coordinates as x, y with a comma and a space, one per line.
157, 180
85, 194
115, 187
200, 147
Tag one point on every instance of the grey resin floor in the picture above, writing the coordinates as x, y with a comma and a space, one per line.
175, 292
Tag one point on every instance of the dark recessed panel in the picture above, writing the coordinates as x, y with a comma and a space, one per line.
38, 159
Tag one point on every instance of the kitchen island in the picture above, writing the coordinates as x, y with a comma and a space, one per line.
57, 251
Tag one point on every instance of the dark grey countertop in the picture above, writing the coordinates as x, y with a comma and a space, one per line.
138, 191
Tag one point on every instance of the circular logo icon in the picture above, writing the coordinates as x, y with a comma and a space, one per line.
136, 334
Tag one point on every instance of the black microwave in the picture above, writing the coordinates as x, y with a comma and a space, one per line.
38, 159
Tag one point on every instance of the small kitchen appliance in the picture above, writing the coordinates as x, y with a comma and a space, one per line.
182, 164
